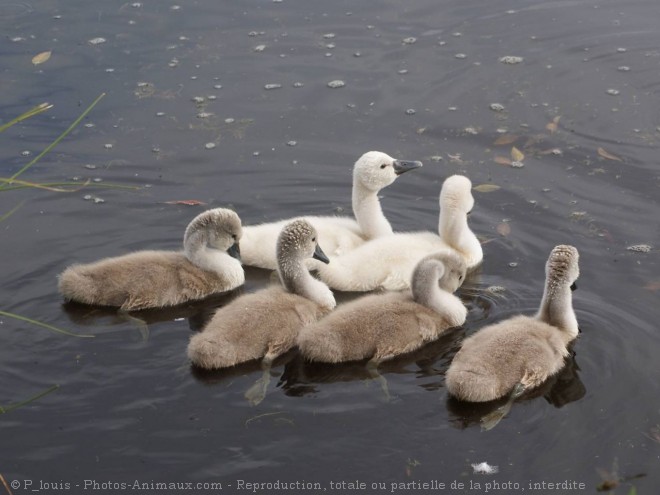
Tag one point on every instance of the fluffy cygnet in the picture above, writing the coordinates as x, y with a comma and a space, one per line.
372, 172
266, 323
209, 264
522, 352
382, 326
388, 262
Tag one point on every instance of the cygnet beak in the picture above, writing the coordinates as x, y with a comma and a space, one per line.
320, 255
573, 286
234, 251
403, 166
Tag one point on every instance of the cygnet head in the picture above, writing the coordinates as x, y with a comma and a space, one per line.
456, 194
375, 170
561, 269
218, 228
297, 241
446, 267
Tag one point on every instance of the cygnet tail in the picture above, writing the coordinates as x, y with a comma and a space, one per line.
76, 285
322, 347
472, 386
210, 352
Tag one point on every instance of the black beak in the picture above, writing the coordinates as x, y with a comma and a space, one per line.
403, 166
573, 286
234, 251
320, 255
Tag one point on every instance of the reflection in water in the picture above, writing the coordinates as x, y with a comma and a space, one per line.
302, 377
197, 312
559, 390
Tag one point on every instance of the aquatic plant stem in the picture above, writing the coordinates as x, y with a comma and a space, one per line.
11, 407
44, 325
30, 113
11, 212
54, 143
2, 478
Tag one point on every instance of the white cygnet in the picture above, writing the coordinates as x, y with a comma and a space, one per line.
372, 172
388, 262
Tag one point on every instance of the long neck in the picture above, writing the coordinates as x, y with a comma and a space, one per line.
454, 230
297, 280
426, 292
368, 213
557, 309
198, 253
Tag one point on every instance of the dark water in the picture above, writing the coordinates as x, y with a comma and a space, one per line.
128, 406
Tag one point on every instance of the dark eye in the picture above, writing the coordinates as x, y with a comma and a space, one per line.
383, 165
233, 236
460, 278
313, 239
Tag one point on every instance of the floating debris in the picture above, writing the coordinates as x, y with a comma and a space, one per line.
612, 92
175, 7
173, 63
204, 115
460, 55
471, 130
621, 50
230, 120
41, 57
337, 83
411, 111
409, 41
272, 86
26, 153
495, 289
357, 54
108, 146
297, 85
608, 155
198, 99
97, 41
292, 143
259, 48
402, 71
90, 166
484, 188
160, 114
457, 34
217, 86
89, 125
511, 60
517, 164
496, 107
16, 39
554, 125
329, 36
436, 158
623, 68
640, 248
210, 146
513, 264
484, 468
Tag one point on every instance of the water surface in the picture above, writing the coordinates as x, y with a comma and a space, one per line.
186, 116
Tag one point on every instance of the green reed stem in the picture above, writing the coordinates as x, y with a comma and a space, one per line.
11, 407
44, 325
30, 113
54, 143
